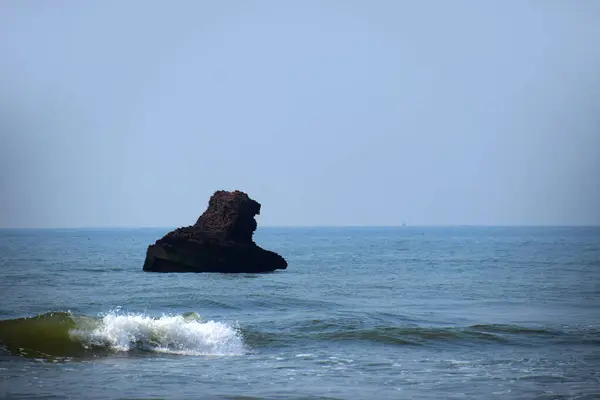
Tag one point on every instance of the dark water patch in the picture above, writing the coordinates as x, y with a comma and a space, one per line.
361, 330
279, 396
262, 300
99, 269
513, 329
349, 320
255, 338
585, 341
544, 378
324, 325
142, 398
37, 396
548, 335
335, 332
385, 336
204, 303
412, 335
590, 337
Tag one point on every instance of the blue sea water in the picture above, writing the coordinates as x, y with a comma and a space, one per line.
360, 313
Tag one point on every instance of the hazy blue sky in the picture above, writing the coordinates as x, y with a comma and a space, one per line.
131, 113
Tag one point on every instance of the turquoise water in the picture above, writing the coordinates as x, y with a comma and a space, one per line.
359, 313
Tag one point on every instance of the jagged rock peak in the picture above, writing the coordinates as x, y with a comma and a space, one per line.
229, 216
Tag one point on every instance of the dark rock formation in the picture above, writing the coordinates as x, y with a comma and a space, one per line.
220, 241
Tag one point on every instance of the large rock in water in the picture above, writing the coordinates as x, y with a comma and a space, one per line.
220, 241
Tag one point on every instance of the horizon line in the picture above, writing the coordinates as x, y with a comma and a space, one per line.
319, 226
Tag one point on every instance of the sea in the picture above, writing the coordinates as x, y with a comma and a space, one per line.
360, 313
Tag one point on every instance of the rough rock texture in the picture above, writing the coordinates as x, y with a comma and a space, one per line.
220, 241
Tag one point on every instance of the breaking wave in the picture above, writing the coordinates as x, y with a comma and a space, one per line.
62, 334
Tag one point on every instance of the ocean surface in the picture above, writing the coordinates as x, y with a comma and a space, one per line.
360, 313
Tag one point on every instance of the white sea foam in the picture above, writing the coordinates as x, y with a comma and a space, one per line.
167, 334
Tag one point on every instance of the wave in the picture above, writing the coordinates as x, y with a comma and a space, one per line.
64, 335
513, 329
408, 334
413, 335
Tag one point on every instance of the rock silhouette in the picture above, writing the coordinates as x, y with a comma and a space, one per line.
219, 241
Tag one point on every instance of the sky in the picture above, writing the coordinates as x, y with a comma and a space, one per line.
131, 114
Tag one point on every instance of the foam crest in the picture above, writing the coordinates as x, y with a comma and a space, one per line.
167, 334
